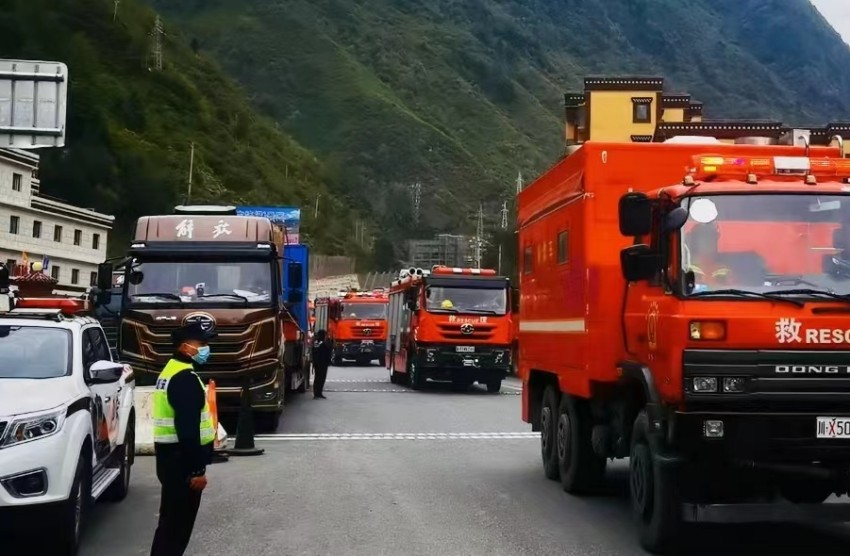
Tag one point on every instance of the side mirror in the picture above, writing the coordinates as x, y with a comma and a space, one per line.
103, 297
514, 300
639, 262
293, 276
104, 276
295, 296
635, 214
675, 219
104, 372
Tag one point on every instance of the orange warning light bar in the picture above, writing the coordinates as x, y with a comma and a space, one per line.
748, 167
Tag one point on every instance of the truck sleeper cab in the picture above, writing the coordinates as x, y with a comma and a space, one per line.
709, 344
450, 324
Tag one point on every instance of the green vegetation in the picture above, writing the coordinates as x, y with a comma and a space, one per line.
130, 126
460, 95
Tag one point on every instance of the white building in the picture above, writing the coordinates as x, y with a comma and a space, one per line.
71, 239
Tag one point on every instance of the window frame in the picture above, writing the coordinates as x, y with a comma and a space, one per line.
57, 233
637, 102
14, 224
17, 181
75, 276
78, 237
36, 229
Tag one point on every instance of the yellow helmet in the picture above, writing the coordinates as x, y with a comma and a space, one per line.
447, 304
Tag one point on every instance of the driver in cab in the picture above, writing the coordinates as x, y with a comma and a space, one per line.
705, 261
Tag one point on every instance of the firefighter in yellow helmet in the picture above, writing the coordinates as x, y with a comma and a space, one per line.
447, 304
183, 438
706, 261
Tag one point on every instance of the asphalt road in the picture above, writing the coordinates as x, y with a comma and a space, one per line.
377, 469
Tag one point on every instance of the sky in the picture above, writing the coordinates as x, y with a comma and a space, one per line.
837, 12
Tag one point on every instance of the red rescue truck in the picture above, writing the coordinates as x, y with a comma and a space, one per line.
688, 306
356, 324
451, 324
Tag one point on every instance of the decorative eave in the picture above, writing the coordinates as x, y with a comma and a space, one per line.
720, 129
641, 138
675, 100
624, 84
573, 100
642, 100
838, 128
695, 108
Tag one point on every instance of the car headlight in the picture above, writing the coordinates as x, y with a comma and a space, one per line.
32, 426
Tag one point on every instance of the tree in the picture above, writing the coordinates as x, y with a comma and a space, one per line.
196, 46
383, 254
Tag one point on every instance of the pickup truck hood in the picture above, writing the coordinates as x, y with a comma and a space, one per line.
30, 395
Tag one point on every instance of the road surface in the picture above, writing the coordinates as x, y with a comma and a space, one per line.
377, 469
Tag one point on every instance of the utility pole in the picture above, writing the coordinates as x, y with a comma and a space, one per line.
157, 43
504, 212
416, 193
479, 235
115, 12
191, 169
316, 212
518, 183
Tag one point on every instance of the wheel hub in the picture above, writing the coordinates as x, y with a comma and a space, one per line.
545, 427
564, 438
639, 481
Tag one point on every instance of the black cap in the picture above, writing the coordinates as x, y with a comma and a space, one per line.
192, 331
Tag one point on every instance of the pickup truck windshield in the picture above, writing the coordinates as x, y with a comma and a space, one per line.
364, 311
201, 283
34, 352
791, 244
466, 300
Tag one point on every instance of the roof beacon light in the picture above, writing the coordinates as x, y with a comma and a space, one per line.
456, 270
752, 168
68, 306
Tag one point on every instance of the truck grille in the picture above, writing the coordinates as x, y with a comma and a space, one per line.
773, 379
454, 331
221, 329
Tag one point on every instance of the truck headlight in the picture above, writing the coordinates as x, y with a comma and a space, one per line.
430, 355
32, 426
500, 356
705, 384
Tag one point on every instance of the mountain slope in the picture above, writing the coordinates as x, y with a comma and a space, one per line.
461, 94
130, 127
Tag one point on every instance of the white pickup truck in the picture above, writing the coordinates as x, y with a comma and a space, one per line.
67, 419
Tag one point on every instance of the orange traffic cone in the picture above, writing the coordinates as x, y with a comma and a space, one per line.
219, 455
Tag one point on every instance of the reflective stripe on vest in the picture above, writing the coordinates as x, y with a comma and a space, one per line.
164, 431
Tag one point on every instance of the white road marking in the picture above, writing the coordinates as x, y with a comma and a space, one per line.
399, 436
380, 380
403, 391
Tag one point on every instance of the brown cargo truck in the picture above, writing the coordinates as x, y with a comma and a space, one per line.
207, 264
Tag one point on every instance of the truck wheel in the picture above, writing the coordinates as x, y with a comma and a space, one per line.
337, 361
655, 499
417, 381
73, 512
267, 421
305, 379
547, 433
581, 470
807, 492
494, 386
118, 490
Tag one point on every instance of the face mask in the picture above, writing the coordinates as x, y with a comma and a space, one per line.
202, 356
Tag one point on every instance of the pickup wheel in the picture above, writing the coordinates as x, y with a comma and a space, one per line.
581, 470
118, 490
494, 386
655, 497
73, 513
548, 412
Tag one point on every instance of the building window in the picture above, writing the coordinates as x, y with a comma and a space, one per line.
75, 276
14, 224
78, 237
10, 266
17, 182
95, 241
527, 260
54, 272
641, 110
92, 278
36, 229
57, 233
563, 243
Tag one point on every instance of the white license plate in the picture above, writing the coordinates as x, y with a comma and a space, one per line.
833, 427
465, 349
367, 342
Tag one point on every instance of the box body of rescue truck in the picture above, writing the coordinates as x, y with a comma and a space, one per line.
724, 384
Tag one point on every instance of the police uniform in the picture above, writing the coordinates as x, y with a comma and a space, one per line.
183, 439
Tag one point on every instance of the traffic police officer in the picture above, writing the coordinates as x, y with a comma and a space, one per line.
183, 438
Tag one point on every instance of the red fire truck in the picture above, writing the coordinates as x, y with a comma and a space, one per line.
356, 324
451, 324
703, 332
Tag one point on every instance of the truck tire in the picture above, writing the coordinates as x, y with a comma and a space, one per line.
581, 470
118, 490
417, 381
73, 511
548, 412
655, 497
494, 386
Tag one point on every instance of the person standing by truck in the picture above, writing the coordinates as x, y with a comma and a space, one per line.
183, 438
322, 353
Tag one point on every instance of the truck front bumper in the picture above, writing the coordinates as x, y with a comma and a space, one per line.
360, 349
484, 364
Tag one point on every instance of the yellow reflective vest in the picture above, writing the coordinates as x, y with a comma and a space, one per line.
164, 431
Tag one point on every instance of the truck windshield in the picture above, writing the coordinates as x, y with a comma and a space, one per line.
466, 300
364, 311
18, 344
790, 244
209, 282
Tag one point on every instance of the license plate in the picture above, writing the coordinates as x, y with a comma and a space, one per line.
367, 342
833, 427
465, 349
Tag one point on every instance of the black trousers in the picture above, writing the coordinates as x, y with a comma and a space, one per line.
178, 507
319, 379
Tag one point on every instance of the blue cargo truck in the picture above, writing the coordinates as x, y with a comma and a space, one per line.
295, 279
